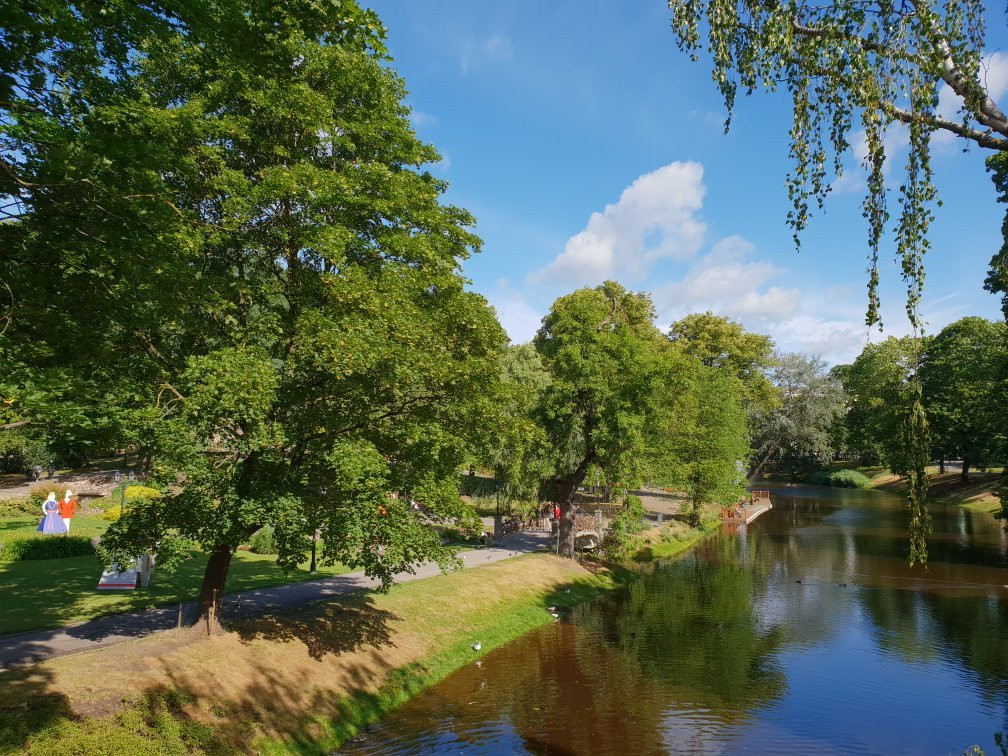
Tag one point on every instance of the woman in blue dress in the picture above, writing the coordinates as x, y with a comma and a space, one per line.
51, 523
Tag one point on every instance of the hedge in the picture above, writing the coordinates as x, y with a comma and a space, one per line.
842, 479
46, 547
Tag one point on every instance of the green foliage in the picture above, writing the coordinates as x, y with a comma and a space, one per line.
721, 343
997, 276
142, 492
633, 506
46, 547
268, 299
18, 507
705, 440
878, 392
962, 376
798, 432
842, 479
620, 542
262, 541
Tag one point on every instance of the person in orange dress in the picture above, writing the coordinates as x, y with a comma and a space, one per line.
67, 508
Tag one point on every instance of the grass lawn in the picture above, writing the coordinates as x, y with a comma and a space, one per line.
27, 526
53, 592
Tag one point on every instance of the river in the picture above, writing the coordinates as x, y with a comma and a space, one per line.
806, 632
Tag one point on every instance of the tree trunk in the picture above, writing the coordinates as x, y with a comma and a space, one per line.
941, 465
566, 529
566, 487
214, 579
965, 470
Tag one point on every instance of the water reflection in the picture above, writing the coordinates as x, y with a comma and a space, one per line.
806, 631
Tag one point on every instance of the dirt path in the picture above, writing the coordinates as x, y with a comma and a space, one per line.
27, 648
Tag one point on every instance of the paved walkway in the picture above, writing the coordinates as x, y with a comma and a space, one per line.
27, 648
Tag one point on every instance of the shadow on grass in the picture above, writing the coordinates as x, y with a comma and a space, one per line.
325, 627
28, 706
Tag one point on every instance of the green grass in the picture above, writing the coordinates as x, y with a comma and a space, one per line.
675, 538
27, 526
54, 592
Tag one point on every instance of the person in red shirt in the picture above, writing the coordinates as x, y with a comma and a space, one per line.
67, 507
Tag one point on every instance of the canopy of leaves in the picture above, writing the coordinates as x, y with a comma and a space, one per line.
963, 377
228, 246
799, 430
722, 343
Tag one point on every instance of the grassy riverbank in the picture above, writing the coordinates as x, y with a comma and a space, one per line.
976, 493
303, 680
675, 537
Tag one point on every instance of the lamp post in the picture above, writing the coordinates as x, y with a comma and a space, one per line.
130, 478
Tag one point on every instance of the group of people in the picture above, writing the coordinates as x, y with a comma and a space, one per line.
57, 515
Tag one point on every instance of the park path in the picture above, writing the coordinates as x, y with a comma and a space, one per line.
28, 648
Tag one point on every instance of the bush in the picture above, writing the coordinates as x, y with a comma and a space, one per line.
141, 492
40, 492
842, 479
620, 541
113, 513
46, 547
19, 507
263, 542
632, 505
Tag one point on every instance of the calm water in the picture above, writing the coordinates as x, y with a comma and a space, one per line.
725, 650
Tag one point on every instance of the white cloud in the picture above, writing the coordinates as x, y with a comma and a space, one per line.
655, 218
496, 47
418, 118
516, 315
726, 282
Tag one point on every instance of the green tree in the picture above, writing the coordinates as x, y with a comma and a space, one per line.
878, 388
264, 287
514, 444
799, 430
721, 343
706, 439
605, 360
963, 378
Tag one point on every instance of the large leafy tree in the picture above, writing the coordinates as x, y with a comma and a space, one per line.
867, 66
701, 439
513, 443
231, 247
963, 377
608, 368
721, 343
798, 431
878, 388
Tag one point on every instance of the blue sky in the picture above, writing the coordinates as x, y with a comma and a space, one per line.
588, 147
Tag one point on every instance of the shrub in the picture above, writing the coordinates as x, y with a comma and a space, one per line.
46, 547
40, 492
19, 507
620, 541
112, 513
632, 505
263, 542
843, 479
142, 492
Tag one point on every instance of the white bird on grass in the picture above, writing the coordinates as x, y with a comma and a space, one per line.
477, 646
